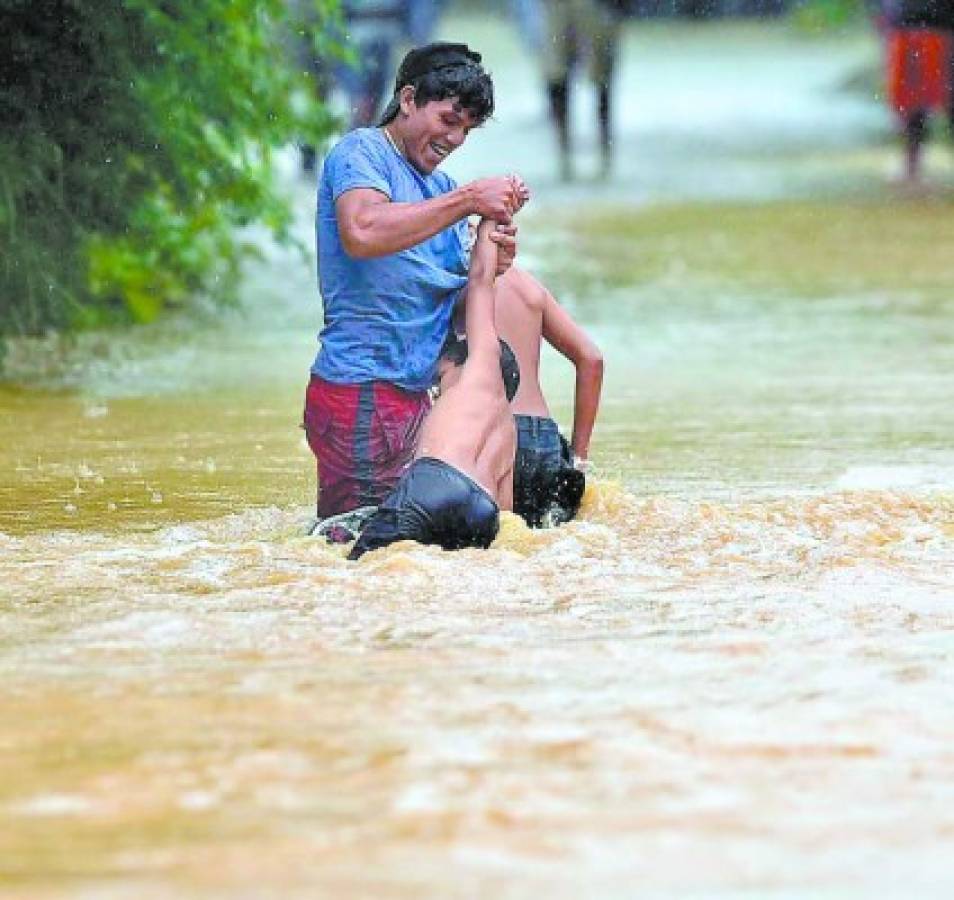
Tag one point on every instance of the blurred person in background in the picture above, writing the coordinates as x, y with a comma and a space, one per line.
918, 68
577, 30
306, 57
530, 17
373, 29
422, 18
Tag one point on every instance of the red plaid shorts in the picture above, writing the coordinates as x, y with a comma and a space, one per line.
363, 437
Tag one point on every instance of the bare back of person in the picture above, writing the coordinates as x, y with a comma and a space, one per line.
526, 314
471, 428
520, 301
545, 489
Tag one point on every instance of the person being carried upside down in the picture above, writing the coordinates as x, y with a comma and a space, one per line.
462, 474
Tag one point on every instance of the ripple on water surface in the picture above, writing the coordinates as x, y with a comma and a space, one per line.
661, 677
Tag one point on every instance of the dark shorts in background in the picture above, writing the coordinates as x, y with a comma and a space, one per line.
546, 487
434, 503
363, 436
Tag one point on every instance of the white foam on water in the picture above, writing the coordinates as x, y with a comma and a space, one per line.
198, 801
51, 805
888, 478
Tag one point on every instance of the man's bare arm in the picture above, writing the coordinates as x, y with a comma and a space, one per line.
561, 332
371, 225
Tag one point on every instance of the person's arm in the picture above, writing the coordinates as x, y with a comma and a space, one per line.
561, 332
505, 237
481, 330
371, 225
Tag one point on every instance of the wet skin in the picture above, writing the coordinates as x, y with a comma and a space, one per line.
426, 135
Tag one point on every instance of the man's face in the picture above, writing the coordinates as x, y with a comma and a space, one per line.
431, 132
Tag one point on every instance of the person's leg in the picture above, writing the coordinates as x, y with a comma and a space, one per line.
531, 23
603, 33
537, 464
349, 79
299, 41
329, 427
396, 422
566, 488
950, 82
363, 439
557, 488
559, 50
377, 60
529, 474
526, 479
309, 158
558, 93
898, 85
917, 69
933, 63
915, 132
422, 19
606, 139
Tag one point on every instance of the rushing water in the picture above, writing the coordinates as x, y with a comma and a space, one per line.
732, 676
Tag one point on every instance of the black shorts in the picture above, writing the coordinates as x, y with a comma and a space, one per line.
434, 503
546, 488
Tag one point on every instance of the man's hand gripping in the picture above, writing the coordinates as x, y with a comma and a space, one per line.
500, 198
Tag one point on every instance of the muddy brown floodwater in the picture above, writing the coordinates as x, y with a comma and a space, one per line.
730, 677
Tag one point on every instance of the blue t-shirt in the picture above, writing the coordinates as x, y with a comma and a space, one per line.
385, 318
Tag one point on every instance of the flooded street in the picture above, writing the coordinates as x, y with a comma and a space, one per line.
730, 677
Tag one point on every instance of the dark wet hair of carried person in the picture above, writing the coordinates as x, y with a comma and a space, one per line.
441, 70
455, 351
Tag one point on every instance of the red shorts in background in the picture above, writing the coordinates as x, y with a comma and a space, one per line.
918, 70
363, 436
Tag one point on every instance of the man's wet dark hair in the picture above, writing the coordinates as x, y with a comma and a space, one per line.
455, 352
442, 70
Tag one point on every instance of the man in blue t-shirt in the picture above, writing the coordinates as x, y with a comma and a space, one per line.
392, 262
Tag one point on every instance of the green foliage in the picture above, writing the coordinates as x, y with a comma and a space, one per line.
827, 15
136, 136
